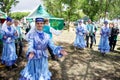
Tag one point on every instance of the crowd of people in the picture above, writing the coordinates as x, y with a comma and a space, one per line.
87, 33
40, 38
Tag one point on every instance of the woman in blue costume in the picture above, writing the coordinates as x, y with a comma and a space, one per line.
9, 34
80, 33
104, 40
37, 66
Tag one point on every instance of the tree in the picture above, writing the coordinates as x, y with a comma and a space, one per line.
98, 8
95, 9
91, 7
7, 4
68, 9
54, 7
114, 8
19, 15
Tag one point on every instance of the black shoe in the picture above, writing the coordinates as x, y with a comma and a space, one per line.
87, 46
20, 56
91, 46
55, 59
110, 49
14, 66
103, 54
8, 68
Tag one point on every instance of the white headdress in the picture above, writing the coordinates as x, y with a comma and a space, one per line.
33, 28
4, 26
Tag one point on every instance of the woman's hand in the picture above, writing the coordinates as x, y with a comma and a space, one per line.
63, 52
31, 55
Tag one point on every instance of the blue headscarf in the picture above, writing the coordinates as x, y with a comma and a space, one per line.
9, 19
80, 21
41, 35
105, 22
39, 20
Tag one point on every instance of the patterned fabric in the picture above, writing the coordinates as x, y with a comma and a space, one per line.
79, 41
9, 54
104, 40
37, 67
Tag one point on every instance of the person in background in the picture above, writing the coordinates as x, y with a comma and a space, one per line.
9, 34
37, 66
95, 30
104, 39
50, 31
1, 65
0, 32
28, 28
113, 36
90, 31
110, 27
80, 33
19, 39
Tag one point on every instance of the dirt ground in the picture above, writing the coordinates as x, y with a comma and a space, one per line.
85, 64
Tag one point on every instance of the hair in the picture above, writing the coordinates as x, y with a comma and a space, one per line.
46, 20
112, 24
16, 21
89, 20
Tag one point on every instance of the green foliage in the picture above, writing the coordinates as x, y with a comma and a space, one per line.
96, 9
114, 10
57, 8
92, 8
19, 15
7, 4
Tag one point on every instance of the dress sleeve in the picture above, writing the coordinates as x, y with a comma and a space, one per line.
93, 28
3, 34
77, 32
56, 49
101, 32
30, 47
56, 32
15, 36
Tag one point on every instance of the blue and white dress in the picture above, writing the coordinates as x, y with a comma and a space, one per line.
37, 67
104, 40
80, 41
9, 56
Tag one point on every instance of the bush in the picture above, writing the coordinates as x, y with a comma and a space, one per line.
19, 15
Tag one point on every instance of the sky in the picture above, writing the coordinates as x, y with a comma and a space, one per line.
26, 5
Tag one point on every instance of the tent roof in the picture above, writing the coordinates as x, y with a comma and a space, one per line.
2, 14
40, 12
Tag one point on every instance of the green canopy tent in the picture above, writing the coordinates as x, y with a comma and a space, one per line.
57, 23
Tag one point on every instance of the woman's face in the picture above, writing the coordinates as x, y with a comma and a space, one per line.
9, 23
89, 21
106, 25
110, 25
80, 23
39, 25
16, 23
